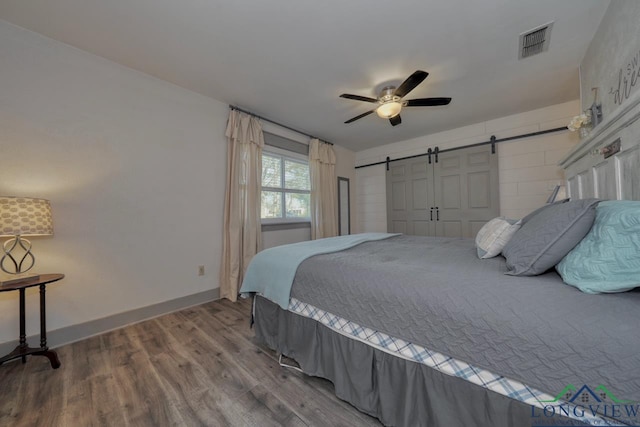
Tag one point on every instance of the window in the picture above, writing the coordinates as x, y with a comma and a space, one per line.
286, 189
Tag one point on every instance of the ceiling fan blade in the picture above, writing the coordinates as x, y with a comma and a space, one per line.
396, 120
410, 84
360, 116
428, 102
358, 97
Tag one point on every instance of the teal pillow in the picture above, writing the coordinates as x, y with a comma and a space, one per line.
608, 258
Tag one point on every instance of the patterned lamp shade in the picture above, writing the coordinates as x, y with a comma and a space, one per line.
25, 216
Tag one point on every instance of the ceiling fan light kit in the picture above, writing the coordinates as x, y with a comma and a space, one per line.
389, 109
390, 99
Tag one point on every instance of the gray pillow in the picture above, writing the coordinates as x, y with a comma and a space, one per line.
547, 237
527, 218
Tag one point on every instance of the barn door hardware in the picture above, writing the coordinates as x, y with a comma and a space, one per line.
437, 209
493, 141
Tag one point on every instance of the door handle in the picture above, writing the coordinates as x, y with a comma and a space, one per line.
431, 215
437, 213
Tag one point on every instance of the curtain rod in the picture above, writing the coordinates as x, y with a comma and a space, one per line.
491, 141
233, 107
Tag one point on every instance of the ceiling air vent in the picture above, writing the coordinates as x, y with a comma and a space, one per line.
535, 41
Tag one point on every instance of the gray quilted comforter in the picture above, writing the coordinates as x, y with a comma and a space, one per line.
435, 292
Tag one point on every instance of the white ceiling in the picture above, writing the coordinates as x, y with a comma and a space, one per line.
288, 60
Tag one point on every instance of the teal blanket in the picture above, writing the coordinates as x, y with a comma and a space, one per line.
271, 272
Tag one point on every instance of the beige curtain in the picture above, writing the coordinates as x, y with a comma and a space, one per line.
322, 168
242, 232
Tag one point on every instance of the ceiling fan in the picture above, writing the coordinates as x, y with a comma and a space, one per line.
390, 99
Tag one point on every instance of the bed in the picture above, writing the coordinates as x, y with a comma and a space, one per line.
419, 331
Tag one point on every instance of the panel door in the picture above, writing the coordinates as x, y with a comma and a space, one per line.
614, 178
604, 180
409, 197
628, 170
466, 191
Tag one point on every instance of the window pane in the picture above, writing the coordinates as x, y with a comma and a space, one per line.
271, 170
298, 205
296, 175
271, 206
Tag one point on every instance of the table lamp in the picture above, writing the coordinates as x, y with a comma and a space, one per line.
19, 217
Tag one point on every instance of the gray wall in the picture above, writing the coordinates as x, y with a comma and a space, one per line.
613, 56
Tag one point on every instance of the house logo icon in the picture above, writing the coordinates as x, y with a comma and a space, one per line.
586, 396
589, 405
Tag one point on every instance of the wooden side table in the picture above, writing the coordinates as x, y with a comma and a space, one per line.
23, 350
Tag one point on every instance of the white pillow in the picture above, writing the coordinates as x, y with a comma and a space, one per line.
494, 235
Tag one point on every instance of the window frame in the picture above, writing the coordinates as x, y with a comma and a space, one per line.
293, 157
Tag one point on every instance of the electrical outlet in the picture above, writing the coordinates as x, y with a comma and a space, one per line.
201, 270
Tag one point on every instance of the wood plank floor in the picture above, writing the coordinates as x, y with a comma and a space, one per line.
197, 367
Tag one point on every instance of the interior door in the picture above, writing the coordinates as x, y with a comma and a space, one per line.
409, 197
466, 191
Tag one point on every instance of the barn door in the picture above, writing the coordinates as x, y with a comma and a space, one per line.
466, 191
409, 197
453, 196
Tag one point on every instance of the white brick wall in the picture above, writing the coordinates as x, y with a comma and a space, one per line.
371, 199
528, 167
